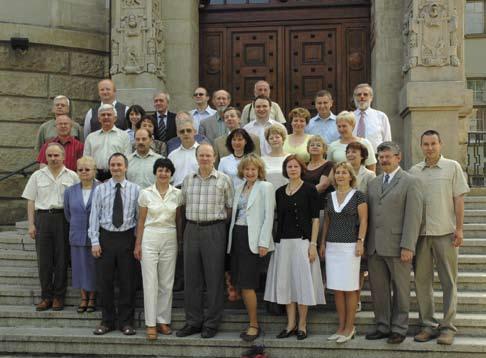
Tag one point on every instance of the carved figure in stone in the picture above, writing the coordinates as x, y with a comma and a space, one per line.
133, 3
132, 65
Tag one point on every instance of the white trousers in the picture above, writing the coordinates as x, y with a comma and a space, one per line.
159, 255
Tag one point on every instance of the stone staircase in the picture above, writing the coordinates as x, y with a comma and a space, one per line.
27, 333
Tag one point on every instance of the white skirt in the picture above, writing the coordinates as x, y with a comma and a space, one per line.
342, 266
291, 277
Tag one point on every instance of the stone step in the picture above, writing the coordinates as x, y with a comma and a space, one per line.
473, 246
473, 202
13, 240
474, 216
468, 301
322, 320
475, 230
225, 344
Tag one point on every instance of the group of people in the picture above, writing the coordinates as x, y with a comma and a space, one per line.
177, 194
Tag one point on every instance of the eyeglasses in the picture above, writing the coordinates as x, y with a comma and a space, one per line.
84, 170
199, 94
187, 130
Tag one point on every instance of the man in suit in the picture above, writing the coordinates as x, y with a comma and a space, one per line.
213, 127
166, 125
231, 118
395, 213
107, 94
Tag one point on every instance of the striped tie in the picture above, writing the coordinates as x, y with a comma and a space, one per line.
361, 132
161, 128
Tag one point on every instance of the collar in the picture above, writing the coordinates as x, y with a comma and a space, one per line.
114, 129
205, 110
194, 146
440, 163
214, 173
58, 140
112, 183
332, 117
392, 174
48, 172
163, 114
150, 153
113, 103
153, 189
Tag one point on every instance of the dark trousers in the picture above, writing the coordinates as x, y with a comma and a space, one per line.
117, 258
52, 246
204, 256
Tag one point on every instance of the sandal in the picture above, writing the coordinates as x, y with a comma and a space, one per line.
251, 337
151, 333
128, 330
102, 329
82, 307
91, 306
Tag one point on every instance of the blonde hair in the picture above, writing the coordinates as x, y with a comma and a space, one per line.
299, 112
87, 160
354, 182
254, 159
317, 138
346, 116
276, 129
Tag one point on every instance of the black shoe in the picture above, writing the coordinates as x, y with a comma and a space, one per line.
301, 335
395, 338
187, 330
376, 335
250, 337
286, 334
208, 332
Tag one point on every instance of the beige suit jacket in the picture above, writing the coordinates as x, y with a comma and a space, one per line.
394, 214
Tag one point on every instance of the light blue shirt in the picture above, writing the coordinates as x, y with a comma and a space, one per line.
199, 116
102, 208
326, 128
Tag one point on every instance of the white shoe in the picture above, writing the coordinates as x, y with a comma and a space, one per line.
334, 337
358, 307
344, 339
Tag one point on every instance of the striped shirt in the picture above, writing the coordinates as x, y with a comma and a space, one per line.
102, 208
206, 199
73, 150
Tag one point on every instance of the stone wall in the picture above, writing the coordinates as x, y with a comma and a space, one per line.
68, 54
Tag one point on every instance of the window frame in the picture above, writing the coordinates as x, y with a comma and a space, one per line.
475, 34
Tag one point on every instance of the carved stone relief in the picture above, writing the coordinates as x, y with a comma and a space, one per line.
430, 34
137, 43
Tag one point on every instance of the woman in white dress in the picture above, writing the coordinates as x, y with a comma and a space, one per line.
294, 274
336, 151
342, 243
275, 136
239, 144
158, 228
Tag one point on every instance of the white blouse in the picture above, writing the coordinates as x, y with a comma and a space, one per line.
161, 213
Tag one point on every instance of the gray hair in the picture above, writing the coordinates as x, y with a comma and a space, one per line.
391, 146
183, 119
107, 107
165, 94
56, 144
364, 85
62, 97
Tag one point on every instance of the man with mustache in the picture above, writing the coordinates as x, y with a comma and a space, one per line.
370, 123
141, 162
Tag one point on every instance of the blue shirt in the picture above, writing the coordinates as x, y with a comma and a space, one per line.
326, 128
102, 208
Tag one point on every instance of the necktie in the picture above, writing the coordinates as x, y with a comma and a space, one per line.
387, 178
118, 207
361, 131
161, 128
386, 182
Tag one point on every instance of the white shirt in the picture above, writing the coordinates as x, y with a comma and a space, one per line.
249, 115
101, 145
161, 213
273, 167
258, 128
184, 161
377, 126
200, 115
46, 191
391, 175
229, 166
337, 151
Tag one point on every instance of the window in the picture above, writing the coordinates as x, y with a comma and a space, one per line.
478, 86
474, 17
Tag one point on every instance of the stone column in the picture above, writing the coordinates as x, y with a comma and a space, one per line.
433, 95
154, 47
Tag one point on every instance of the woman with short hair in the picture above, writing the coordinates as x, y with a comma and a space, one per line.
158, 229
275, 136
296, 143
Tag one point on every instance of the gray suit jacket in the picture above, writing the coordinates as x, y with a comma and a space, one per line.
221, 151
212, 127
394, 215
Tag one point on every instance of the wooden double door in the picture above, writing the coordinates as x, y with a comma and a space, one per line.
298, 58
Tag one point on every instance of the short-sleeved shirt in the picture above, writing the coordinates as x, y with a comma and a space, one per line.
161, 213
337, 151
141, 169
441, 182
73, 150
314, 177
185, 163
300, 150
46, 191
344, 218
101, 145
206, 199
295, 212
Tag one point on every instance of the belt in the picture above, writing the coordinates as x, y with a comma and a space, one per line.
205, 223
51, 211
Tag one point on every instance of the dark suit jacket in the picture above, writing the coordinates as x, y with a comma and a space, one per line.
171, 126
77, 214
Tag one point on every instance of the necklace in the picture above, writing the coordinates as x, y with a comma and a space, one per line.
239, 156
290, 190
